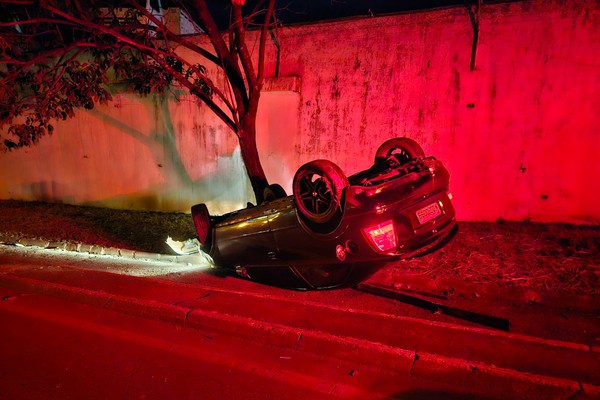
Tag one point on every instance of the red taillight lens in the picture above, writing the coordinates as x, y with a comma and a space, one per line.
383, 235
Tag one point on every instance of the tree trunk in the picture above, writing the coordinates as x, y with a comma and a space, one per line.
247, 140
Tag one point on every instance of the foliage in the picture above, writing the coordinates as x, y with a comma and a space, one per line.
57, 56
52, 65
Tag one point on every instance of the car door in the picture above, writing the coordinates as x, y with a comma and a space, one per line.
244, 238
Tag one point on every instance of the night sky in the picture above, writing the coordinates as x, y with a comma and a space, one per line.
301, 11
306, 11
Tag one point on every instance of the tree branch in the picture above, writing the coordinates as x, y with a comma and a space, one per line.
240, 43
178, 39
34, 21
194, 90
263, 40
228, 57
212, 30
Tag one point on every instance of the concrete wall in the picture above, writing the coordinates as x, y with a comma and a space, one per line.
520, 133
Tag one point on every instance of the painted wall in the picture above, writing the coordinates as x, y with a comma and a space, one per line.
520, 134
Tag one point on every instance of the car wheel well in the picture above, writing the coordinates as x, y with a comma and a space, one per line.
405, 149
274, 191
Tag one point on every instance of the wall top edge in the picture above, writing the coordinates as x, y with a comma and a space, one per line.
282, 84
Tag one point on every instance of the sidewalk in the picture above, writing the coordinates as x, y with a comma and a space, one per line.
531, 261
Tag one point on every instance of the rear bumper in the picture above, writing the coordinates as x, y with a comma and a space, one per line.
414, 236
417, 203
435, 243
415, 225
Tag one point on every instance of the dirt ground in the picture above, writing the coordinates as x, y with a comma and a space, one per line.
557, 258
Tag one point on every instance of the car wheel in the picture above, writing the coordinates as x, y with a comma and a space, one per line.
273, 192
403, 148
318, 187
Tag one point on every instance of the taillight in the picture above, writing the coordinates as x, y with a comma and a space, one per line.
383, 235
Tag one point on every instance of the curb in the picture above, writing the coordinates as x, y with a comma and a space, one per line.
507, 383
84, 248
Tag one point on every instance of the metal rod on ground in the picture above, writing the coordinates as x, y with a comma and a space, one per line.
481, 319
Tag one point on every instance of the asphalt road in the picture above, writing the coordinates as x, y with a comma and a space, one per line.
82, 327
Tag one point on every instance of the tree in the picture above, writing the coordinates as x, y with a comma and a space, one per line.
57, 56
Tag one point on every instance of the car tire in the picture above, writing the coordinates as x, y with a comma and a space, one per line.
318, 187
273, 192
403, 148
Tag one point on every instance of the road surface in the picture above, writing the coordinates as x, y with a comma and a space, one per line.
97, 327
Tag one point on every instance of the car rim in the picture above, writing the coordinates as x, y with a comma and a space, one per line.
316, 195
318, 188
401, 154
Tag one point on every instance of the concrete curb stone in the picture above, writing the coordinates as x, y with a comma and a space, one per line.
146, 255
112, 251
84, 248
126, 253
71, 247
56, 245
34, 243
98, 250
75, 247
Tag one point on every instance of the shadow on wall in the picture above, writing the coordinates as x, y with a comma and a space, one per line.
190, 161
198, 158
214, 189
160, 141
130, 155
47, 191
157, 153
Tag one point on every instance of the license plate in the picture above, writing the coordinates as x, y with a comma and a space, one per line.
428, 213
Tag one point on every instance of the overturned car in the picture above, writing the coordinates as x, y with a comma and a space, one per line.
335, 230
